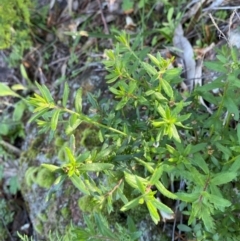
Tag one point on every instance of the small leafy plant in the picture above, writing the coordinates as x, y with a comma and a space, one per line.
155, 145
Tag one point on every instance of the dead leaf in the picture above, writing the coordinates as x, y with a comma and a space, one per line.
187, 55
129, 23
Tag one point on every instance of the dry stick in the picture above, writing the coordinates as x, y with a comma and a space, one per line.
106, 30
11, 148
231, 22
210, 15
181, 187
226, 8
8, 233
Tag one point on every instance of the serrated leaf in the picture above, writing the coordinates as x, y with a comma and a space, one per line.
223, 177
207, 219
164, 191
78, 101
218, 201
65, 95
54, 119
188, 197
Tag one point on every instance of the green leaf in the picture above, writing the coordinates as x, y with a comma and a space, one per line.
231, 107
159, 205
100, 136
78, 101
184, 228
167, 88
145, 164
6, 91
50, 167
19, 109
215, 66
154, 59
78, 183
115, 91
69, 155
140, 185
72, 126
24, 74
45, 93
133, 203
174, 133
54, 120
121, 104
199, 161
92, 100
236, 165
153, 212
131, 180
198, 147
102, 226
156, 175
95, 167
127, 5
225, 150
37, 115
65, 95
149, 68
223, 177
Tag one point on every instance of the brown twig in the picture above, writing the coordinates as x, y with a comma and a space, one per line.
106, 30
214, 23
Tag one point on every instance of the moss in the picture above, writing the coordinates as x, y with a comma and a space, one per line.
45, 178
65, 212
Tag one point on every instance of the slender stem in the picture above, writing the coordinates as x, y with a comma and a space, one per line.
87, 119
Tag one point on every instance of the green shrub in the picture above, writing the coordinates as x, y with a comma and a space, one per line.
152, 140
